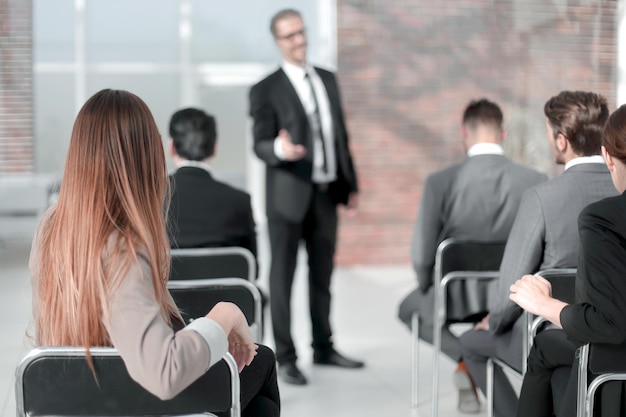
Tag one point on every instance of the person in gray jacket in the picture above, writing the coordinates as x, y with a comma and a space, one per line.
476, 199
544, 235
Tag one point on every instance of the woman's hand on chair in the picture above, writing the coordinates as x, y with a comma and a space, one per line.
534, 294
531, 292
240, 342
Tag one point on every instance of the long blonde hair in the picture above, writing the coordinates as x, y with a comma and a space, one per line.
111, 208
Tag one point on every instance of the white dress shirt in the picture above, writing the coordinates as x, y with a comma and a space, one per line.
485, 149
297, 76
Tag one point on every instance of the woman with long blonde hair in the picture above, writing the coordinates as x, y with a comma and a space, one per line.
100, 261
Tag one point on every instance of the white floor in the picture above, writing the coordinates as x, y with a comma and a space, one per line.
365, 326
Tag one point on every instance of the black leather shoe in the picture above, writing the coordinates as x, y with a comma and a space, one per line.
334, 358
290, 373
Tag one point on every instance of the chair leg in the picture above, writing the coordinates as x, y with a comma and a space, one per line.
490, 377
414, 360
581, 403
590, 398
436, 350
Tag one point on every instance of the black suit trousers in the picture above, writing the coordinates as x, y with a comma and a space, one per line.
551, 350
259, 386
318, 230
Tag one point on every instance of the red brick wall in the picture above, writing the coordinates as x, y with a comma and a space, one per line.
407, 70
16, 87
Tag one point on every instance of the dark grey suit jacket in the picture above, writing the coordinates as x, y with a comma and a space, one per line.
476, 199
544, 235
275, 105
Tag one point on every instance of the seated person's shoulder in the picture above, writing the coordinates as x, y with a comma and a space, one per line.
523, 170
266, 83
610, 208
444, 175
232, 191
546, 188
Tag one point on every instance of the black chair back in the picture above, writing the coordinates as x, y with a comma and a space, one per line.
563, 283
457, 255
467, 299
196, 297
607, 358
207, 263
58, 381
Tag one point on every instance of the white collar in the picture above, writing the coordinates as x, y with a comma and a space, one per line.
593, 159
296, 72
194, 164
485, 149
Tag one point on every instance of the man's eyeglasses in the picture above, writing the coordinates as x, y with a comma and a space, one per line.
291, 36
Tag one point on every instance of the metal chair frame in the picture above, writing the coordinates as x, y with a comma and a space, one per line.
585, 400
256, 324
70, 354
219, 252
441, 283
531, 328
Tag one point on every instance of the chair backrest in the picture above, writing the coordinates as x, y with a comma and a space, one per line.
206, 263
196, 297
463, 255
467, 299
563, 283
58, 381
607, 358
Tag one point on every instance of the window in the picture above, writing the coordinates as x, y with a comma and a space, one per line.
173, 54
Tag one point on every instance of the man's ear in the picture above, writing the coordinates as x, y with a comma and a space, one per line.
561, 142
171, 147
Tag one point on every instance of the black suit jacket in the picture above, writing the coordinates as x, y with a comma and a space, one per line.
207, 213
599, 316
275, 105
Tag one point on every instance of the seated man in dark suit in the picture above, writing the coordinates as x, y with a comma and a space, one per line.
204, 212
544, 234
474, 200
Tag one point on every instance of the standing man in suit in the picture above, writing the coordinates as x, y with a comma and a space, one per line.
474, 200
299, 132
204, 212
544, 235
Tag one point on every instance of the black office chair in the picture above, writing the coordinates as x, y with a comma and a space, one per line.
57, 381
206, 263
196, 297
563, 288
463, 270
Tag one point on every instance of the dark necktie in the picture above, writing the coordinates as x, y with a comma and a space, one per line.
318, 122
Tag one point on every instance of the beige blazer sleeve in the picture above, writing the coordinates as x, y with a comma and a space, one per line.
162, 361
